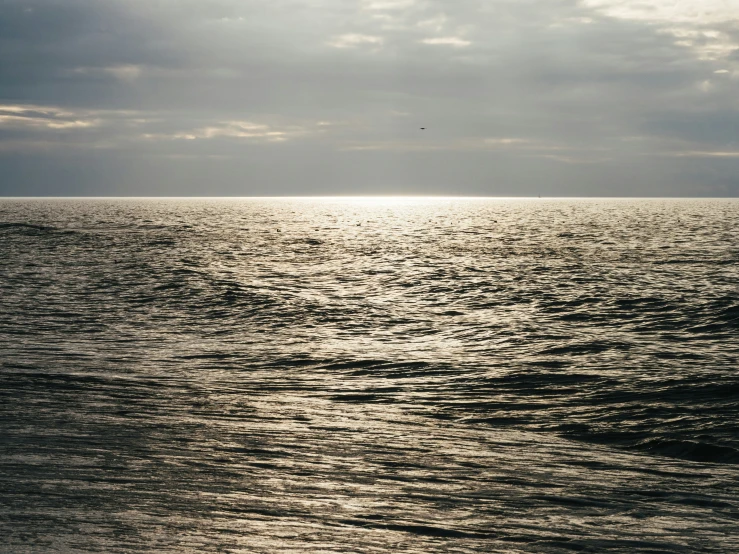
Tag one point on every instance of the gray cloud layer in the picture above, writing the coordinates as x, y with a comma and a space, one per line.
231, 97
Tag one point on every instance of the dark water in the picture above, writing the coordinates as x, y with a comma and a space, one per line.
367, 376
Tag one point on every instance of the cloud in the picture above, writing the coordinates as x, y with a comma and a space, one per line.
125, 72
352, 40
447, 41
321, 90
703, 25
505, 141
233, 130
507, 145
703, 154
45, 118
436, 23
574, 160
682, 11
388, 4
124, 127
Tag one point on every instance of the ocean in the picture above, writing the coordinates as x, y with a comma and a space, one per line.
405, 375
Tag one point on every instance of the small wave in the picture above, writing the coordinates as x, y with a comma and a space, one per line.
26, 227
419, 529
724, 318
581, 348
571, 500
208, 356
694, 451
312, 242
162, 242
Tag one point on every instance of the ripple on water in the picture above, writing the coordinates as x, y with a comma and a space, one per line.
416, 375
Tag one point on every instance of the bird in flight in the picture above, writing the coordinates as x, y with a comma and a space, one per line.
423, 128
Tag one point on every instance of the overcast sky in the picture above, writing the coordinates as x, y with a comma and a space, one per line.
284, 97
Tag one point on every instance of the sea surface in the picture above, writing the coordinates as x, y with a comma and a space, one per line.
408, 375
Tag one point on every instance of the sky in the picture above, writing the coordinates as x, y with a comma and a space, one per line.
327, 97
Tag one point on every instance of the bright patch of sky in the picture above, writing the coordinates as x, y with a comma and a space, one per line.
708, 26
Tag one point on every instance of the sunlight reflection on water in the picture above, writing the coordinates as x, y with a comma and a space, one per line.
369, 374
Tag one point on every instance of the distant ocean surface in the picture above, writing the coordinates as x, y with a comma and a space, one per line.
369, 375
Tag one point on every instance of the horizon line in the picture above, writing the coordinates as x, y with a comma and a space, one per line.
369, 197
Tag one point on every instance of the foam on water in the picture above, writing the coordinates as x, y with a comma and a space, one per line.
415, 375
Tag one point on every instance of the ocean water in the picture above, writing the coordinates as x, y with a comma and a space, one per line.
369, 375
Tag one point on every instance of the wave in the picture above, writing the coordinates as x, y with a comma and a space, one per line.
695, 451
11, 226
